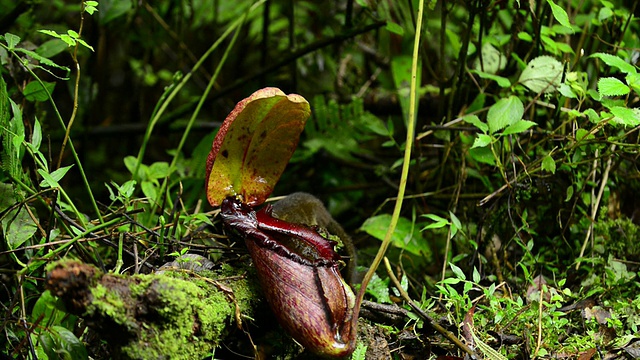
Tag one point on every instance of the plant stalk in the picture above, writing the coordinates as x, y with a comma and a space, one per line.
411, 123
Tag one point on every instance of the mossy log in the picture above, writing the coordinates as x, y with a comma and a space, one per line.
178, 314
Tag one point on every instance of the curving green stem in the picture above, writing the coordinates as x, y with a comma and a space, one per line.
405, 166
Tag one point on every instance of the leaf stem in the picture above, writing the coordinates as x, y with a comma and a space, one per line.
405, 165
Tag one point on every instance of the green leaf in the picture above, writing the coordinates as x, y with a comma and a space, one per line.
68, 39
254, 145
476, 275
548, 164
518, 127
559, 14
483, 155
615, 62
407, 236
626, 116
113, 9
149, 190
542, 74
502, 81
455, 224
12, 40
43, 60
610, 86
51, 48
394, 28
51, 180
83, 43
361, 349
17, 224
36, 136
439, 222
158, 170
60, 343
567, 91
458, 272
481, 141
90, 4
504, 113
475, 121
35, 92
492, 60
379, 289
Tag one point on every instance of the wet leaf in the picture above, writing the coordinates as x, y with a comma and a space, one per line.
254, 145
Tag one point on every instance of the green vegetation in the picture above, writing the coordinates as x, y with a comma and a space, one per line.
518, 227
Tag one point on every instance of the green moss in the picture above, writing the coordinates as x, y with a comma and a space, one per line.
190, 315
191, 319
108, 304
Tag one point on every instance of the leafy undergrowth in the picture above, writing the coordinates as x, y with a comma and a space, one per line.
519, 231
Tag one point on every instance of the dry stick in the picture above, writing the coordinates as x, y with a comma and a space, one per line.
539, 341
424, 315
596, 204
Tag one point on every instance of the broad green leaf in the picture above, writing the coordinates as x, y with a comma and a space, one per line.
158, 170
492, 60
475, 121
50, 310
610, 86
559, 14
60, 343
483, 155
113, 9
518, 127
548, 164
481, 141
615, 62
17, 224
542, 74
12, 40
51, 48
633, 80
567, 91
626, 116
149, 190
254, 145
35, 92
407, 235
504, 113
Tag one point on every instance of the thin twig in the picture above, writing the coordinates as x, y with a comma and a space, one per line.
423, 314
596, 204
